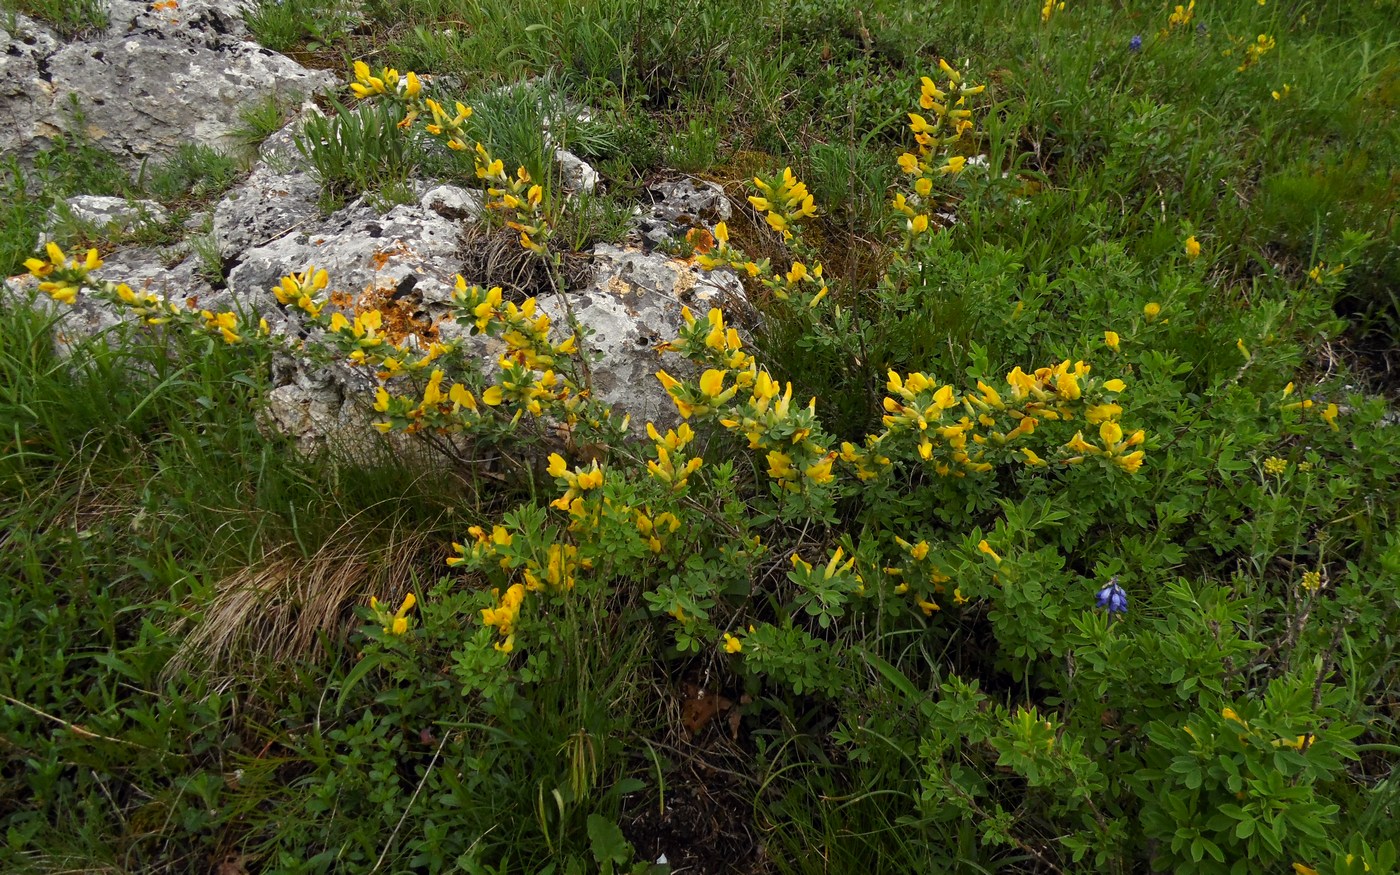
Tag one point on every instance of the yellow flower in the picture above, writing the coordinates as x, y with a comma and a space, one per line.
1300, 869
1101, 412
1115, 385
732, 644
1329, 415
1152, 310
984, 547
1131, 462
1110, 339
397, 623
1193, 247
909, 162
918, 224
1275, 466
1312, 581
924, 186
954, 165
1110, 433
1032, 459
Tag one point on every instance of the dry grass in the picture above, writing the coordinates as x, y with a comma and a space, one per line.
287, 608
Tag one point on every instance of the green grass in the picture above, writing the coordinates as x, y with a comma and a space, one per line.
71, 18
140, 491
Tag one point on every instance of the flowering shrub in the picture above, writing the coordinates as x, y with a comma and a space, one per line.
1022, 516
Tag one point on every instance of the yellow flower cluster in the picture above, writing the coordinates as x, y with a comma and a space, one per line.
724, 255
653, 527
1244, 732
1050, 8
62, 278
397, 622
224, 323
387, 83
1320, 271
920, 575
934, 137
300, 290
774, 425
710, 342
149, 307
505, 615
1262, 45
674, 472
1328, 414
785, 200
986, 420
517, 195
523, 328
1182, 15
579, 482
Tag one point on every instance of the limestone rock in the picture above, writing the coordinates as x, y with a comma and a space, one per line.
156, 79
279, 196
409, 251
113, 214
577, 175
680, 205
634, 304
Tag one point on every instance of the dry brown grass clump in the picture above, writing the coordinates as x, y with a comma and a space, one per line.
285, 609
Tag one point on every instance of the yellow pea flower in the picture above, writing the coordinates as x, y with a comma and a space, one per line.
1152, 310
1329, 415
1193, 248
1110, 340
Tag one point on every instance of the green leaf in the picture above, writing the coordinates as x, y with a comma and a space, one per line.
606, 840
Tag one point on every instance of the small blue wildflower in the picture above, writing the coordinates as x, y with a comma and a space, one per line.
1113, 597
1135, 44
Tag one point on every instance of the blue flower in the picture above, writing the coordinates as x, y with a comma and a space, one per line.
1135, 44
1113, 597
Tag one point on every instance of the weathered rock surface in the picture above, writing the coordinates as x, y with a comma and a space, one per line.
679, 205
160, 78
157, 78
409, 250
576, 175
632, 305
278, 197
114, 215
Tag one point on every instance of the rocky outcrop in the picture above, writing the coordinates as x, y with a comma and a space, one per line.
160, 76
166, 74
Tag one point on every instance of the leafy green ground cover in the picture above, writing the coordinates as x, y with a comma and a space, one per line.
194, 679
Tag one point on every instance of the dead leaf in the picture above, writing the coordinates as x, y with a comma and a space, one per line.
700, 706
232, 864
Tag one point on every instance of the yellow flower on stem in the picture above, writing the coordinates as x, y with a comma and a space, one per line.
1110, 340
396, 623
732, 644
1193, 247
984, 547
1329, 415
